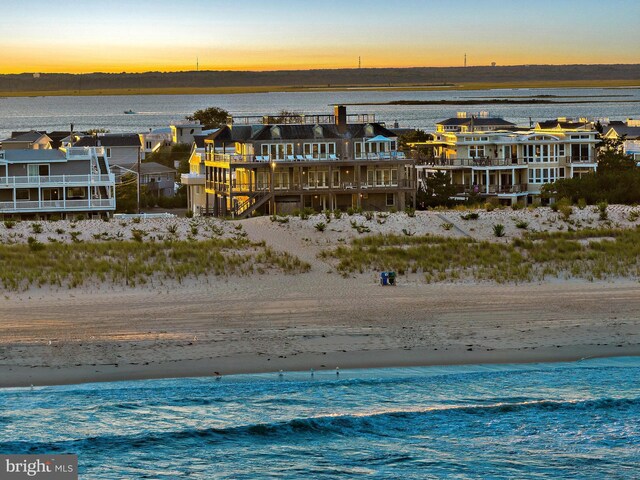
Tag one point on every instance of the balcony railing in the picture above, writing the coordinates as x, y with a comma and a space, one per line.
57, 205
57, 180
501, 162
245, 188
493, 189
233, 158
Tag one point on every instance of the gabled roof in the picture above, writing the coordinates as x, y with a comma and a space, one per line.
632, 133
110, 140
31, 136
198, 140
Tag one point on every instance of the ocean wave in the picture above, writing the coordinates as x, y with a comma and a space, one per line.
383, 422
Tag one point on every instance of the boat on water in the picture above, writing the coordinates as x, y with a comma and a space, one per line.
129, 112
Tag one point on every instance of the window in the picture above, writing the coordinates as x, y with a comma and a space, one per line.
391, 200
262, 180
148, 145
277, 151
319, 151
38, 170
335, 182
23, 194
476, 151
108, 153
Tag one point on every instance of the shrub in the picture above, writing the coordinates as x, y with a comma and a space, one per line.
582, 203
410, 211
522, 224
489, 207
470, 216
320, 226
189, 214
9, 223
351, 211
54, 218
327, 215
633, 215
337, 214
498, 230
447, 226
34, 245
135, 219
602, 208
517, 206
368, 215
172, 229
138, 235
36, 228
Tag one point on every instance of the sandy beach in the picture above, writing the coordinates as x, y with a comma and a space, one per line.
319, 319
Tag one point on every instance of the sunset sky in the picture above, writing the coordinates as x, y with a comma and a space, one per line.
142, 35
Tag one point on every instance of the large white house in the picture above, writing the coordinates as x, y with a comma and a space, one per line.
40, 183
512, 163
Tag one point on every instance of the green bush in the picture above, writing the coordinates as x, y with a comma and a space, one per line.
34, 245
470, 216
320, 226
9, 223
36, 228
602, 208
498, 230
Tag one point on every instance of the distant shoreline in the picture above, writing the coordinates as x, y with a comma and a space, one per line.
227, 90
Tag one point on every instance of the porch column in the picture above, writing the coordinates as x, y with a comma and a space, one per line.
486, 176
513, 177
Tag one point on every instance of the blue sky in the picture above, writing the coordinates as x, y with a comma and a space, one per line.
142, 35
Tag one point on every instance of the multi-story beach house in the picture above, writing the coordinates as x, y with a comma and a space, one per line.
38, 183
507, 162
278, 164
159, 180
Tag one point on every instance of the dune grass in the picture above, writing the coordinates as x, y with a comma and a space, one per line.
133, 263
588, 254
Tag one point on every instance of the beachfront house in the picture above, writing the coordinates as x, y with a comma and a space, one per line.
509, 163
154, 140
270, 165
119, 148
43, 183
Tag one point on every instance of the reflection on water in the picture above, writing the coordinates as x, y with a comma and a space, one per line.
56, 113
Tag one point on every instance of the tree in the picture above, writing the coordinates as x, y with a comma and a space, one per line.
611, 157
437, 190
413, 136
212, 117
127, 194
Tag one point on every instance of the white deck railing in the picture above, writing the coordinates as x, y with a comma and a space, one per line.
57, 205
58, 180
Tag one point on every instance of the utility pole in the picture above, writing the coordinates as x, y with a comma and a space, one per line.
139, 181
465, 60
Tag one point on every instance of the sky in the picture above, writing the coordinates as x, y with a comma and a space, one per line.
170, 35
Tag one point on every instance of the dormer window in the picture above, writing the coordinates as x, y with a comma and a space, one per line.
317, 131
275, 132
368, 130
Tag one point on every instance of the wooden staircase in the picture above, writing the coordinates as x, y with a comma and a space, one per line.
255, 200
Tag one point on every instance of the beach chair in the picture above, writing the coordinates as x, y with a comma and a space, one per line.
308, 158
291, 158
299, 158
332, 157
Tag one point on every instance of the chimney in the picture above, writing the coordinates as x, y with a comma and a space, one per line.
340, 113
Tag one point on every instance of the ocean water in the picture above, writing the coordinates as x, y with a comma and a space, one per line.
153, 111
563, 420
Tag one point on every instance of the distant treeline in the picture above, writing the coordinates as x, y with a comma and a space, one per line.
320, 78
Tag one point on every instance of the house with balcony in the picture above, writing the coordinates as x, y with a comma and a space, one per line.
512, 164
41, 183
270, 165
